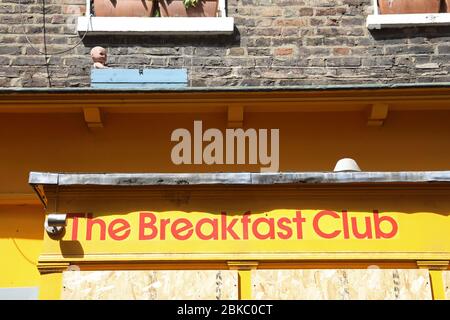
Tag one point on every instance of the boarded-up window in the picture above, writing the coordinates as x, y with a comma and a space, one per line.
150, 285
367, 284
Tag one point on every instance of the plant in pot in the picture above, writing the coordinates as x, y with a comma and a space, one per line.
409, 6
124, 8
188, 8
446, 6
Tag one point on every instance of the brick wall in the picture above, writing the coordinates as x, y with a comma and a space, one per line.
276, 42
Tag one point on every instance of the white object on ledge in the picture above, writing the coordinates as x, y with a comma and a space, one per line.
380, 21
156, 25
346, 165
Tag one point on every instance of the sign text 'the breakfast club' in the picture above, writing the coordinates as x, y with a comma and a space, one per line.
323, 224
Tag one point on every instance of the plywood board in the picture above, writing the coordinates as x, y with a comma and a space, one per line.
367, 284
150, 285
446, 276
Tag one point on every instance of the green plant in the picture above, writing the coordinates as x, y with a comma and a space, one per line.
190, 3
156, 13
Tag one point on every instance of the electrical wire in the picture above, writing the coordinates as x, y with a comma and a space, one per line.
45, 44
22, 253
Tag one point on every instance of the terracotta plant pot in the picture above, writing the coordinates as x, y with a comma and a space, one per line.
446, 6
176, 8
123, 8
409, 6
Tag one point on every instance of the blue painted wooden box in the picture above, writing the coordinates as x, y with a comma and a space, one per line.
138, 78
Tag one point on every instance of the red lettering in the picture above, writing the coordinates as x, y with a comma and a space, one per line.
164, 223
176, 232
75, 217
228, 228
90, 224
281, 223
245, 222
384, 227
377, 220
319, 216
113, 233
345, 224
367, 234
214, 235
268, 235
143, 225
299, 221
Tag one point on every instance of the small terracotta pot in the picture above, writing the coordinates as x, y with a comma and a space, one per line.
446, 6
176, 8
409, 6
123, 8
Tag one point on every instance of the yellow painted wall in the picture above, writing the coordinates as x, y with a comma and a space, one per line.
21, 234
141, 142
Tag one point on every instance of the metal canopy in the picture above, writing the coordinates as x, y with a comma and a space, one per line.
243, 178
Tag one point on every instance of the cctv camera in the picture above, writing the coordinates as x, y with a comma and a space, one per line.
55, 223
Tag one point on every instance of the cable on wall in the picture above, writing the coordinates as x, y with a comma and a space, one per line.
44, 31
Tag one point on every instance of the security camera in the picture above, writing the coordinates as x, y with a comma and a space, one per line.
55, 223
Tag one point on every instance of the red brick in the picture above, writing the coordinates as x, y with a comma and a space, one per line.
284, 51
341, 51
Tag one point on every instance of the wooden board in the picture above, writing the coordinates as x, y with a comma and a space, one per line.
446, 276
150, 285
136, 78
368, 284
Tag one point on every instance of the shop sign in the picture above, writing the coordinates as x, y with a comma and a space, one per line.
284, 233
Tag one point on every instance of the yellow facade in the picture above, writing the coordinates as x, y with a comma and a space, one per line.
21, 243
51, 133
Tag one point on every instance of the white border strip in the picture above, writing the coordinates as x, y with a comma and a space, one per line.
380, 21
153, 25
